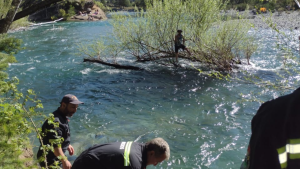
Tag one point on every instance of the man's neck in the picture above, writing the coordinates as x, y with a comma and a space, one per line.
61, 111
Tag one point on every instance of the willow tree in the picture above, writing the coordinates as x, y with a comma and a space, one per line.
214, 38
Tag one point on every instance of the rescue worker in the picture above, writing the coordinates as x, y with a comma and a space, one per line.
179, 43
123, 155
275, 139
68, 106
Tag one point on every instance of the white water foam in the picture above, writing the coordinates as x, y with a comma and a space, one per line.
30, 68
19, 64
112, 71
86, 71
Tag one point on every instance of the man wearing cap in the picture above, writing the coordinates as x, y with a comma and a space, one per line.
68, 107
123, 155
179, 43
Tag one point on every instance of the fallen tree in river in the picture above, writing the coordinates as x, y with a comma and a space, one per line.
115, 65
216, 41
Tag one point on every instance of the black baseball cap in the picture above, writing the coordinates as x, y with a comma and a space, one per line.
69, 98
179, 30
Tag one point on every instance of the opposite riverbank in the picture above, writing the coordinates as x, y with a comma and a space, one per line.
96, 14
282, 20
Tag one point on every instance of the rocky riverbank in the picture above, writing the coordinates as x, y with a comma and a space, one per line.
282, 20
95, 14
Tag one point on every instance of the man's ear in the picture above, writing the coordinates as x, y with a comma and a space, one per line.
63, 105
151, 153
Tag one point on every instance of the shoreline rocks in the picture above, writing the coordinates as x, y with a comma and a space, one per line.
282, 20
100, 15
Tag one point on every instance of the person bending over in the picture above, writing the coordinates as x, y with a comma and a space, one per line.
123, 155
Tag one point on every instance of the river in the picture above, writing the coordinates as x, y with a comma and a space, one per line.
203, 119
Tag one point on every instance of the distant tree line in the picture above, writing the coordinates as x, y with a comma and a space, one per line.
124, 3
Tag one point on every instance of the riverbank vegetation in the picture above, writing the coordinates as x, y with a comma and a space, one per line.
13, 10
19, 114
231, 4
14, 128
215, 42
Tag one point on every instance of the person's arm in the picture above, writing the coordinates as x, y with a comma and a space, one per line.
65, 163
175, 40
58, 150
71, 150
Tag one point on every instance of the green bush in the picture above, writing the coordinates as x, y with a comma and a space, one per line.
281, 9
241, 7
53, 18
271, 6
62, 14
125, 3
14, 131
77, 6
9, 45
16, 117
100, 5
14, 126
71, 12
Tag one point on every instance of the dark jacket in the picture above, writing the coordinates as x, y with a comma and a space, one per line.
62, 131
113, 156
275, 140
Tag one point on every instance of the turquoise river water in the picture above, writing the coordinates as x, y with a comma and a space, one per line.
200, 117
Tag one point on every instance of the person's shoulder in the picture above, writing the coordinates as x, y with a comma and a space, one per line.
58, 117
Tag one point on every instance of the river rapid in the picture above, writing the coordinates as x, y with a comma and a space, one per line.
204, 120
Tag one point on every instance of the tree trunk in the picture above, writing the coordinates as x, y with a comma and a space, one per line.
112, 64
34, 8
12, 16
6, 22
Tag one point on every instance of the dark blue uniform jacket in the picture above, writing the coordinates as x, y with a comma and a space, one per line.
111, 156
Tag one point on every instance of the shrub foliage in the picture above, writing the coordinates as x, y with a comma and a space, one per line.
17, 112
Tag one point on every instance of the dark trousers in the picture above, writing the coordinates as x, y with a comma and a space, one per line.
51, 158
